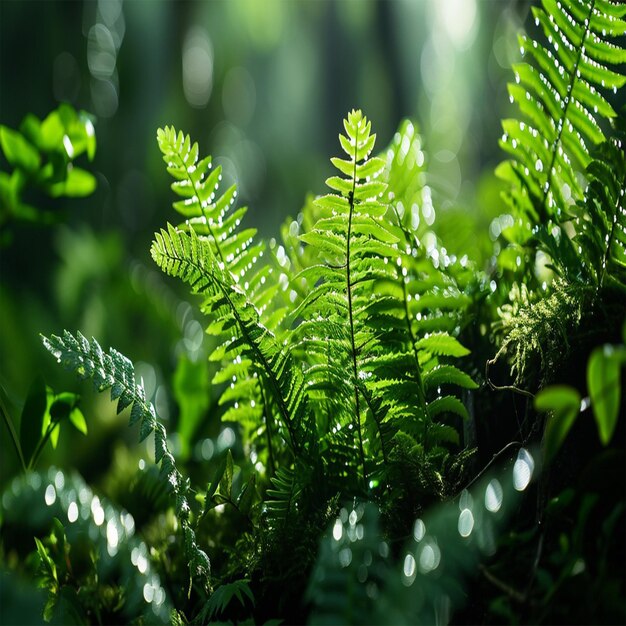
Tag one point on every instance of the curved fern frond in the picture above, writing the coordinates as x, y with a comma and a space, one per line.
189, 257
562, 94
114, 371
258, 386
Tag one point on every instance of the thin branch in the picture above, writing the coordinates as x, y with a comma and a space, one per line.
495, 387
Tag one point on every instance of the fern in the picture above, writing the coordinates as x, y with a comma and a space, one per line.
600, 220
114, 371
372, 347
567, 178
191, 258
353, 245
219, 261
562, 96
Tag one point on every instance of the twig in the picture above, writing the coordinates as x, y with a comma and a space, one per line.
497, 455
514, 594
495, 387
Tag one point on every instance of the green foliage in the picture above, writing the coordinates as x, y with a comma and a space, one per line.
605, 389
226, 594
115, 372
86, 555
42, 415
217, 261
539, 324
41, 155
346, 360
603, 380
357, 301
564, 402
566, 179
561, 92
360, 577
600, 221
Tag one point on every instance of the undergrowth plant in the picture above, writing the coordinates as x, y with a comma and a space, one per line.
341, 355
566, 176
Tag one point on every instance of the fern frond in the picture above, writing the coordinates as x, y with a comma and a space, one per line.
187, 256
282, 497
205, 211
600, 221
114, 371
366, 321
241, 297
352, 242
562, 95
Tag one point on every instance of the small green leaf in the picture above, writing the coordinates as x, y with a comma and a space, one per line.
246, 497
603, 381
18, 151
79, 183
51, 133
47, 567
31, 424
564, 402
54, 435
78, 420
215, 483
556, 398
226, 483
62, 406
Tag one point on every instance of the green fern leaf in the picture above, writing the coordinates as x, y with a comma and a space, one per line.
113, 370
191, 258
220, 260
562, 93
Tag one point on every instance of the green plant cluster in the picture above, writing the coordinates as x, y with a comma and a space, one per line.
42, 154
407, 436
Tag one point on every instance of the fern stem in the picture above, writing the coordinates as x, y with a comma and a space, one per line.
421, 396
351, 315
568, 99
